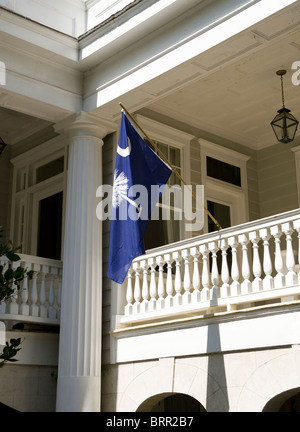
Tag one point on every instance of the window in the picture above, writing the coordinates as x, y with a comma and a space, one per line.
38, 194
221, 213
223, 171
50, 226
160, 232
50, 169
224, 176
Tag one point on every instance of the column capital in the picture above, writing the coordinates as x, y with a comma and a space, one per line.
85, 124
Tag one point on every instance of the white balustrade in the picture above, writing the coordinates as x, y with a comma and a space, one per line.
37, 298
236, 267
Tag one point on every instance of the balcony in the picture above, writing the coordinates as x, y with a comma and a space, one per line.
37, 301
239, 268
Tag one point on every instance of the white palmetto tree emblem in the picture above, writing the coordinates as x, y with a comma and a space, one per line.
120, 189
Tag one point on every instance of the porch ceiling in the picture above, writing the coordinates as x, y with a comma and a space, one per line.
238, 99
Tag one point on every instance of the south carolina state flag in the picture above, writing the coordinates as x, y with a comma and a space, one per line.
139, 178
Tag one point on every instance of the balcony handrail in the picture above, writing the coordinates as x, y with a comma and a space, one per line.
224, 233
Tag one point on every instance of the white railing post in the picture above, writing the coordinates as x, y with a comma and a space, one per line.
212, 246
160, 288
297, 228
279, 278
187, 284
169, 283
34, 308
205, 293
235, 288
129, 293
137, 289
291, 277
43, 298
13, 307
178, 284
24, 294
268, 282
225, 275
196, 294
246, 285
51, 297
59, 294
153, 289
3, 304
145, 290
256, 266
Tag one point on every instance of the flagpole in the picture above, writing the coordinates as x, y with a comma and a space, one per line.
171, 166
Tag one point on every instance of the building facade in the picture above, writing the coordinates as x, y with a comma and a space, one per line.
207, 319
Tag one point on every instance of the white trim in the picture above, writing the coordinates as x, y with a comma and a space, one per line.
236, 197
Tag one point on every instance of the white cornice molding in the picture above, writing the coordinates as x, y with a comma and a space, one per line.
36, 34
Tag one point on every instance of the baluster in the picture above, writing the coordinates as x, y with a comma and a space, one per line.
291, 277
13, 308
205, 293
225, 276
256, 266
178, 284
268, 282
235, 288
297, 228
246, 273
137, 289
196, 294
279, 279
59, 294
34, 308
153, 291
169, 285
129, 293
187, 285
51, 298
161, 288
2, 308
212, 246
24, 307
43, 308
145, 290
3, 263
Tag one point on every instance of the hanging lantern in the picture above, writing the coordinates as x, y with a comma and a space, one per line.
284, 124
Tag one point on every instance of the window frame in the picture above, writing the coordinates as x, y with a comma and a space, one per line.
236, 197
29, 196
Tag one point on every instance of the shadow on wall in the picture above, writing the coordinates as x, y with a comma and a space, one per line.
217, 396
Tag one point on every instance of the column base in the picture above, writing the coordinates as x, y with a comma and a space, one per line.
78, 394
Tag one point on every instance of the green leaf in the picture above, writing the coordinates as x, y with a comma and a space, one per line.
9, 274
12, 256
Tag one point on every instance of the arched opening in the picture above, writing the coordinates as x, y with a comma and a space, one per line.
288, 401
170, 402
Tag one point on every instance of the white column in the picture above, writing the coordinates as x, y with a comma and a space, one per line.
79, 372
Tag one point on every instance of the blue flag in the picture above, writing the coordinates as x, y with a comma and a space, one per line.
139, 178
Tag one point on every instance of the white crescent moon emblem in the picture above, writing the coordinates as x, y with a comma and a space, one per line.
126, 151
